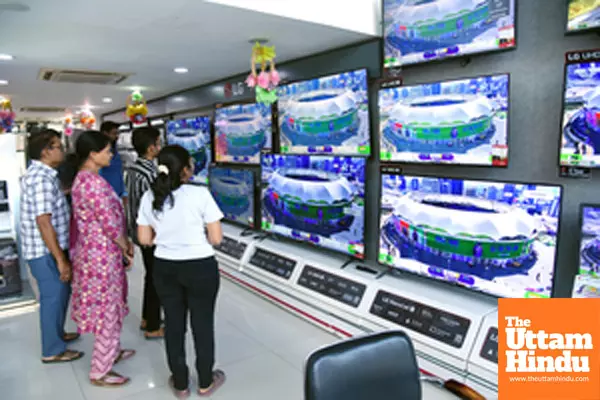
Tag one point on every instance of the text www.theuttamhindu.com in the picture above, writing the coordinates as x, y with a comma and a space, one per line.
549, 379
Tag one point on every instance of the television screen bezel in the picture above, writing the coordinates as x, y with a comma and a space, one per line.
403, 85
468, 56
306, 243
371, 136
256, 173
211, 144
394, 170
569, 32
214, 131
582, 207
563, 103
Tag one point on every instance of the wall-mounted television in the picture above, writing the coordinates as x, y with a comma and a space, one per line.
315, 199
589, 247
580, 139
194, 135
583, 15
234, 191
242, 132
499, 238
417, 31
327, 115
454, 122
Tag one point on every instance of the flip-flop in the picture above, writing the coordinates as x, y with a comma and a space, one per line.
71, 337
124, 355
218, 381
180, 394
111, 379
64, 357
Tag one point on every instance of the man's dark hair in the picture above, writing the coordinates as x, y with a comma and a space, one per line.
108, 126
143, 138
38, 142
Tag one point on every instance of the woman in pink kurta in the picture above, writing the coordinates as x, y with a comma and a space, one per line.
98, 245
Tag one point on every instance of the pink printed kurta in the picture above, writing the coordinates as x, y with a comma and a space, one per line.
99, 280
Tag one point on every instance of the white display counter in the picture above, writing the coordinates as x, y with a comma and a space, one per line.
448, 325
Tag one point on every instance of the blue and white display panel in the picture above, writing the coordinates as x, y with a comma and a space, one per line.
417, 31
455, 122
233, 190
194, 135
589, 252
242, 132
493, 237
328, 115
315, 199
580, 144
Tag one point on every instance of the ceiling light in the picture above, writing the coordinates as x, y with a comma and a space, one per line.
3, 82
6, 57
181, 70
106, 100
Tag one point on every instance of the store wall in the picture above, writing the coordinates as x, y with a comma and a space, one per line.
536, 69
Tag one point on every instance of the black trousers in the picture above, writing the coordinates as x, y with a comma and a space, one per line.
189, 285
151, 302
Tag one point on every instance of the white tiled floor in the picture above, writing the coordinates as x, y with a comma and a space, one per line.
260, 347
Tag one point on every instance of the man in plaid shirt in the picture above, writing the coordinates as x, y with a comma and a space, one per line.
45, 239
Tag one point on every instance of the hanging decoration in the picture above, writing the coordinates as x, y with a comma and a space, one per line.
136, 107
264, 83
87, 119
68, 126
7, 115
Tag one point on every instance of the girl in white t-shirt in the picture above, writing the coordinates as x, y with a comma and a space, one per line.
183, 222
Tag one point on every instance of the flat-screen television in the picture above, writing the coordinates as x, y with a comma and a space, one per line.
495, 237
580, 144
315, 199
234, 191
327, 115
194, 135
589, 249
583, 15
417, 31
453, 122
242, 132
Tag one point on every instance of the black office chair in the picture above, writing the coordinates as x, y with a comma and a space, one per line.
382, 366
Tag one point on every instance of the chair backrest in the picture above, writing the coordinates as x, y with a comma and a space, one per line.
382, 366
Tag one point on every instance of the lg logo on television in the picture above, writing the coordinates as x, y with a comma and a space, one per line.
584, 56
233, 89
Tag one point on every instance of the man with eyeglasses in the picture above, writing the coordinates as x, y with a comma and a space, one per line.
44, 230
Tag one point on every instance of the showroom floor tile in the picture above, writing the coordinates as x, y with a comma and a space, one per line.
260, 346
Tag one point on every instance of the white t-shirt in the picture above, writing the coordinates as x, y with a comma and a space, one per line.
179, 229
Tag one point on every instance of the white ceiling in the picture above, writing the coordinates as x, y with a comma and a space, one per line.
145, 37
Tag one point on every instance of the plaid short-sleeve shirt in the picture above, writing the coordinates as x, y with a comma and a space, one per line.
41, 194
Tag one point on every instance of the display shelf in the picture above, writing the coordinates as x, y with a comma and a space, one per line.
355, 298
483, 362
234, 247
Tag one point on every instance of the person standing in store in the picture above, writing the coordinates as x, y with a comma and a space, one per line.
184, 222
45, 238
99, 245
113, 173
140, 176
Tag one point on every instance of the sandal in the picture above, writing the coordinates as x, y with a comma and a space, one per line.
111, 379
71, 337
180, 394
218, 381
124, 355
64, 357
159, 334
